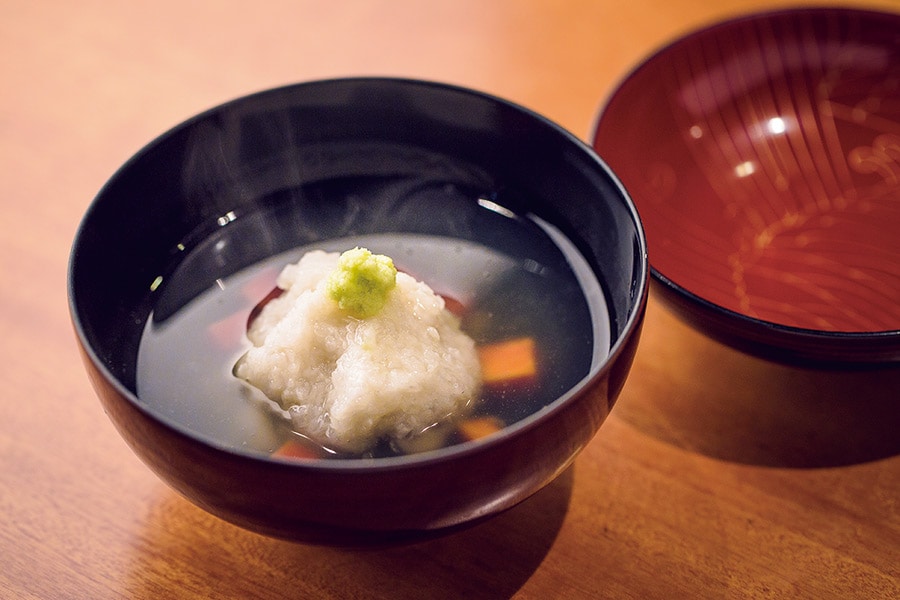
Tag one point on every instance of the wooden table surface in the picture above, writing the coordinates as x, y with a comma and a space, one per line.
716, 476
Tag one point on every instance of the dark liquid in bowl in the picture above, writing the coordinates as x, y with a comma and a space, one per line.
515, 274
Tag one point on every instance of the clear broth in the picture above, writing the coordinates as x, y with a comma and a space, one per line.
515, 274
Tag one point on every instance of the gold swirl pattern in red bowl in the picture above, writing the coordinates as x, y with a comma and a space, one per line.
763, 154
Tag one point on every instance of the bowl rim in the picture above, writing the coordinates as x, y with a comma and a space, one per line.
822, 334
630, 326
831, 337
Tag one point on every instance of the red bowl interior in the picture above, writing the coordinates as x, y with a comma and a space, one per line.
763, 155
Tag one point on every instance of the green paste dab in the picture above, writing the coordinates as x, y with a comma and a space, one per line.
361, 282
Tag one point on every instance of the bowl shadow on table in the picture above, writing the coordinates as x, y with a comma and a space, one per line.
716, 401
206, 555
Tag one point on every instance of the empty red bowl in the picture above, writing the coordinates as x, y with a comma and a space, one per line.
763, 154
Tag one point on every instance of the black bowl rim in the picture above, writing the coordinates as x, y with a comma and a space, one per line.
630, 327
833, 340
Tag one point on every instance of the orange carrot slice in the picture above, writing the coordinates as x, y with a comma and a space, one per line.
275, 292
479, 427
453, 305
260, 284
227, 333
508, 361
296, 449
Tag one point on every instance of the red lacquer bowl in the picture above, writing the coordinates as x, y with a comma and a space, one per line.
763, 154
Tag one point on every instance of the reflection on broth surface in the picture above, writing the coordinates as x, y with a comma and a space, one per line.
510, 276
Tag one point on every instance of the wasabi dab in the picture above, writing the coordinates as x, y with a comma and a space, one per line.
361, 282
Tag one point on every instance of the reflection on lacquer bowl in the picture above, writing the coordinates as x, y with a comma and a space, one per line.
505, 214
763, 154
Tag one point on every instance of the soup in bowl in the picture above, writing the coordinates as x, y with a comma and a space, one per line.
518, 242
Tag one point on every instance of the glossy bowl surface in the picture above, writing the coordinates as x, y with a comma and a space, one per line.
763, 154
211, 172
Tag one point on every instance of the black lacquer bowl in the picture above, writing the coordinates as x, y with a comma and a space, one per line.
261, 163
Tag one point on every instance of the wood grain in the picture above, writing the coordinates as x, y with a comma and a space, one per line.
717, 475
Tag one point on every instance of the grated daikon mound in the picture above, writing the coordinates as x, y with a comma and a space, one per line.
402, 374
